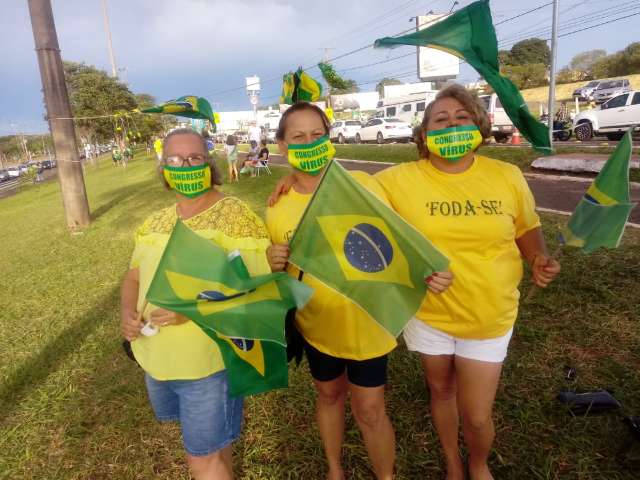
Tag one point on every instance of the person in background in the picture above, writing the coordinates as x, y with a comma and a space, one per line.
157, 146
481, 214
231, 152
184, 373
251, 159
263, 154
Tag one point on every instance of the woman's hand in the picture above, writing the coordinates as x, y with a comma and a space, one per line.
282, 188
277, 256
544, 269
438, 282
130, 324
163, 318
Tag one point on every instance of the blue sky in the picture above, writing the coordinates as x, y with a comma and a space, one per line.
171, 48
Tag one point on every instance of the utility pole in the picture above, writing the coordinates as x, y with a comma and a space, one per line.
74, 195
552, 73
114, 70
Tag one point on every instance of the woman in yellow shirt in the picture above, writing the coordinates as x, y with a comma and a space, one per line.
184, 373
346, 350
481, 214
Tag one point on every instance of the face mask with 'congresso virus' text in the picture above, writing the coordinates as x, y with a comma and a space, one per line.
311, 157
453, 143
188, 181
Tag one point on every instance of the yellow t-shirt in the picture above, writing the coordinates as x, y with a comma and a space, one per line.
474, 218
157, 146
185, 352
330, 322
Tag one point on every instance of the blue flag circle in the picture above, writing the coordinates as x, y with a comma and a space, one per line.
367, 248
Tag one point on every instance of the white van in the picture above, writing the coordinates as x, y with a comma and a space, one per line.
501, 124
406, 107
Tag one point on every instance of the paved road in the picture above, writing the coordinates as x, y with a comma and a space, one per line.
552, 192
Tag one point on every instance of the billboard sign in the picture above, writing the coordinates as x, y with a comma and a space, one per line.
253, 84
435, 64
355, 101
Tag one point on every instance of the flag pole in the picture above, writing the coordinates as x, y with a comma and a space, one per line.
552, 71
534, 288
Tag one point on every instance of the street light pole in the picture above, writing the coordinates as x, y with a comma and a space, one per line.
552, 72
74, 195
114, 70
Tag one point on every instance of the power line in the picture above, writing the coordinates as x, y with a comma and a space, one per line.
523, 14
599, 24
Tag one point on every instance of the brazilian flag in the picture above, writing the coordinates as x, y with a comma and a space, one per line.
244, 315
600, 217
354, 243
299, 87
188, 106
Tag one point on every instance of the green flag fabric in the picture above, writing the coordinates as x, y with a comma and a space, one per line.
299, 87
244, 315
600, 217
354, 243
469, 34
188, 106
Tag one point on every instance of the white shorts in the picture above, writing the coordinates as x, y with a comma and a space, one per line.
421, 338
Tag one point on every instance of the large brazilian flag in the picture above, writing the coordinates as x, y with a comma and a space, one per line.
244, 315
469, 34
299, 87
188, 106
600, 217
354, 243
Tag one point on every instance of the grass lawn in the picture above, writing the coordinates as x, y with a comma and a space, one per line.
74, 407
400, 152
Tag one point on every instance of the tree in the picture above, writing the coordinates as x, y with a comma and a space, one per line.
504, 57
584, 61
386, 81
527, 76
531, 50
148, 125
567, 75
93, 93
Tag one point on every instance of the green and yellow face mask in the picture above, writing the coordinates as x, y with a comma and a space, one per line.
188, 181
311, 157
453, 143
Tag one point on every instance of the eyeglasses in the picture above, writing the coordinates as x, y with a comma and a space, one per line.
180, 161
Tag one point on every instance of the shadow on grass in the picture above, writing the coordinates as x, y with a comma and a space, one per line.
119, 196
35, 370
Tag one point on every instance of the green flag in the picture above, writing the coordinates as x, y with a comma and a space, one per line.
244, 315
188, 106
351, 241
600, 217
299, 87
469, 34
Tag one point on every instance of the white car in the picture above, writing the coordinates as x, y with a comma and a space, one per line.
501, 124
612, 118
344, 130
382, 130
14, 172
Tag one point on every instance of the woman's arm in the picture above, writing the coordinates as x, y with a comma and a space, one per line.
130, 319
534, 250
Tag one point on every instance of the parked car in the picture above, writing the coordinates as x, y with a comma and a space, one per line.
382, 130
501, 124
4, 175
610, 89
14, 172
612, 118
47, 164
344, 130
241, 136
586, 91
24, 168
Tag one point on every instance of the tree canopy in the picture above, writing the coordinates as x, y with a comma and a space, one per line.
531, 50
386, 81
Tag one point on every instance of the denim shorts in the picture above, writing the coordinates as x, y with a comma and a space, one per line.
209, 418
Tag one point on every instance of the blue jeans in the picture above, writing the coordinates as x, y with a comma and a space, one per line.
209, 418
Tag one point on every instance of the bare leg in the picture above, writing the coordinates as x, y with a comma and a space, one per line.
367, 404
477, 385
330, 416
215, 466
440, 375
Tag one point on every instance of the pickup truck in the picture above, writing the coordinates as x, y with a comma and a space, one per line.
612, 118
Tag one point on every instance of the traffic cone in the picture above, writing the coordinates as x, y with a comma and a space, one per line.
515, 138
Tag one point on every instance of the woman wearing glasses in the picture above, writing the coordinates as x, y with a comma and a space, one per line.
184, 372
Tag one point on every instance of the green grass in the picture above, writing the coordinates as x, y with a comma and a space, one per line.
398, 153
74, 407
